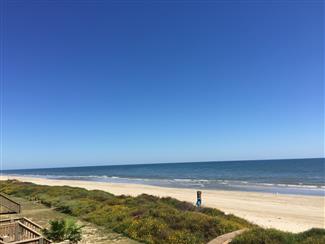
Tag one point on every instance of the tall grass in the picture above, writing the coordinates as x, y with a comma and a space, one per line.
272, 236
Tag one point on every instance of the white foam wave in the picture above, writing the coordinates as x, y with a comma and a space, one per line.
183, 181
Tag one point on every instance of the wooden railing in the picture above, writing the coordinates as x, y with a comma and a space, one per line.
21, 231
24, 221
39, 240
8, 232
25, 232
31, 224
10, 204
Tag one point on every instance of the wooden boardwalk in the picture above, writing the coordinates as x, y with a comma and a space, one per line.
20, 231
226, 238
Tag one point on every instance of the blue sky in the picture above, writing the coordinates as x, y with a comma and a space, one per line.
111, 82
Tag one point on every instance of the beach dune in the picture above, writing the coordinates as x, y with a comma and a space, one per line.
293, 213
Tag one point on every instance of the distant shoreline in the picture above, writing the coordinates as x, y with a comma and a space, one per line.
293, 213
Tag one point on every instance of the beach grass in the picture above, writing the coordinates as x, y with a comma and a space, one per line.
272, 236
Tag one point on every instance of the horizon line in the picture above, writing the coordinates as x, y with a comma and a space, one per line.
184, 162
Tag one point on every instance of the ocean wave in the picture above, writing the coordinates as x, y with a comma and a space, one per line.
208, 183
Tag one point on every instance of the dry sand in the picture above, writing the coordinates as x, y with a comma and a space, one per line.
284, 212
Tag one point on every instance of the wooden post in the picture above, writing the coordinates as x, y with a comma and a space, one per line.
17, 231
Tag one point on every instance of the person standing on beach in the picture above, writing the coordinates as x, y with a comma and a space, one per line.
198, 199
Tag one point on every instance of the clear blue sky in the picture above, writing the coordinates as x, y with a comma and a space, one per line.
111, 82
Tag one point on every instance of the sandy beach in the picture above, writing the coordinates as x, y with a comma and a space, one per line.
293, 213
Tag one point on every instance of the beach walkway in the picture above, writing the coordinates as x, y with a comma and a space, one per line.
226, 238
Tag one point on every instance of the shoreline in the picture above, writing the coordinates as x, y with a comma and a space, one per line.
294, 213
222, 185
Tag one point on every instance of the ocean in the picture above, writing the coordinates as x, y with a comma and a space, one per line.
285, 176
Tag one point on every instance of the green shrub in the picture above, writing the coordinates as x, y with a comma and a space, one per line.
312, 236
56, 232
272, 236
183, 237
149, 230
64, 229
73, 232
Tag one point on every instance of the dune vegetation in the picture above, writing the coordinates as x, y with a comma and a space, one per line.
150, 219
144, 218
272, 236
